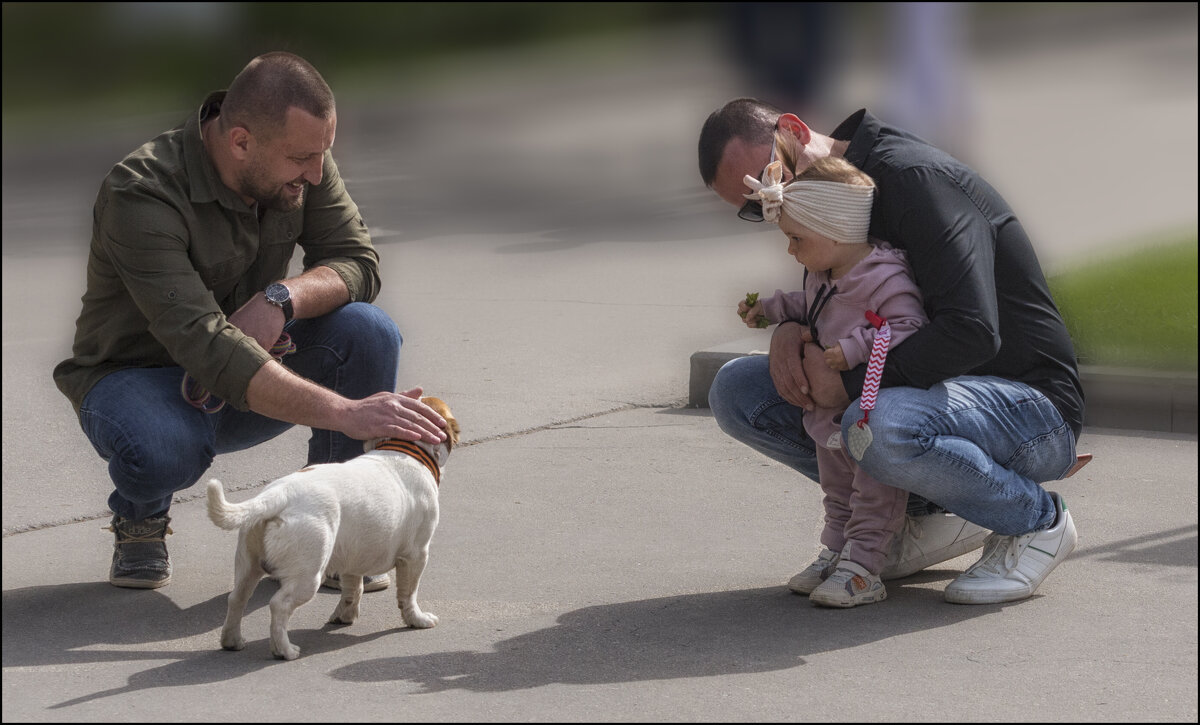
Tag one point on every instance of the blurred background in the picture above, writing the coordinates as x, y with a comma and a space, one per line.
558, 125
528, 172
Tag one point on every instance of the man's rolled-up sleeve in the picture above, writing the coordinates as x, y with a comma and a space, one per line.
336, 236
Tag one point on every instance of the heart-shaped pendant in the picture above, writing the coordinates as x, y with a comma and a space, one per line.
858, 438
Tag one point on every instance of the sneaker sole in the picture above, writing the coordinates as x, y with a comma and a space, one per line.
805, 590
820, 601
377, 586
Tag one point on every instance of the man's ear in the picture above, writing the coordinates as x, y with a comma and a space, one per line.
239, 142
799, 129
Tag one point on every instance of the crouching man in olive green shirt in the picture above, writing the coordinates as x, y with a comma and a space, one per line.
191, 342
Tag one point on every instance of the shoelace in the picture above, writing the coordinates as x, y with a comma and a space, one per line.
147, 538
1000, 551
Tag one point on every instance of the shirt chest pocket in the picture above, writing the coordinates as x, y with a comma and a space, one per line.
277, 246
223, 276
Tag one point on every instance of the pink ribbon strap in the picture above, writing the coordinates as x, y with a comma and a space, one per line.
879, 352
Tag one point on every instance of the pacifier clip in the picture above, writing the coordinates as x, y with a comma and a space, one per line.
859, 437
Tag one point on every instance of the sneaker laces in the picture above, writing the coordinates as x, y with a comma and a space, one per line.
150, 536
1000, 554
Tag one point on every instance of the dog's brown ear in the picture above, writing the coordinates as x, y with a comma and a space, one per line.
452, 429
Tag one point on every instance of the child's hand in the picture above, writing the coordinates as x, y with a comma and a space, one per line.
751, 310
835, 359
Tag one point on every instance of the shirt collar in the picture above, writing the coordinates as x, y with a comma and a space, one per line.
203, 178
860, 129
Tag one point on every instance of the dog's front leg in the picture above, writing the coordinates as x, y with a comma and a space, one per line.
347, 608
408, 576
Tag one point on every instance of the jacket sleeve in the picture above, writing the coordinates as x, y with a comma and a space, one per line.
335, 236
783, 306
898, 302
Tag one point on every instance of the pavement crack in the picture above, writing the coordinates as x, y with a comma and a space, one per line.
202, 492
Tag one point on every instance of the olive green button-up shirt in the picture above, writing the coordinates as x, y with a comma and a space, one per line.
174, 252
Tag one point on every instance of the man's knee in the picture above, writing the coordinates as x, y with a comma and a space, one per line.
722, 395
880, 443
145, 471
370, 324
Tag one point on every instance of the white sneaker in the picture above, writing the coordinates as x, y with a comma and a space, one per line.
371, 582
1012, 567
849, 586
817, 572
928, 540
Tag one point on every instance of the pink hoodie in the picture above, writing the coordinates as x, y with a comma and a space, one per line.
882, 282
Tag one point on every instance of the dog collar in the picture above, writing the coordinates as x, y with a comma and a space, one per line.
414, 450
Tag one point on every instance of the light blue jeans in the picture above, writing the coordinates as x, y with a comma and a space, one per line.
156, 443
978, 447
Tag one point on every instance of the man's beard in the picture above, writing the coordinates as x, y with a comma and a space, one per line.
271, 197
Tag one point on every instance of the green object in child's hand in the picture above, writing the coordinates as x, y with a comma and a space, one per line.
751, 300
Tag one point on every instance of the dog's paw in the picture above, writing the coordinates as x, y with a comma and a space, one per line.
420, 620
232, 642
288, 652
346, 611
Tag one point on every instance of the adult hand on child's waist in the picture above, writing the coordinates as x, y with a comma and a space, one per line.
787, 363
825, 383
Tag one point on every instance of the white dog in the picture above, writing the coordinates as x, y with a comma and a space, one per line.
361, 517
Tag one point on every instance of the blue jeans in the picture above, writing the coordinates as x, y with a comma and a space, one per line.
156, 443
978, 447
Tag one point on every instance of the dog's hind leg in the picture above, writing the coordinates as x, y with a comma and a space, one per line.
246, 574
293, 593
298, 550
408, 576
346, 611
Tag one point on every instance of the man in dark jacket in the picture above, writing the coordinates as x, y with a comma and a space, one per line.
975, 410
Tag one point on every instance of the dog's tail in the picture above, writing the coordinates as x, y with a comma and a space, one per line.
235, 515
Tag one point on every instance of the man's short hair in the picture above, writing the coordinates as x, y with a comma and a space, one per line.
746, 118
259, 97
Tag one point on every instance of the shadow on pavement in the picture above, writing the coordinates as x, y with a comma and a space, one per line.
1165, 548
68, 624
691, 635
694, 635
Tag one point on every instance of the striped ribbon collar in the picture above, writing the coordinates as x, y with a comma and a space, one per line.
414, 450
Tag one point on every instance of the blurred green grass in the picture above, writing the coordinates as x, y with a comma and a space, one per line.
1137, 310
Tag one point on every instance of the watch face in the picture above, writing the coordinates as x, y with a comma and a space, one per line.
277, 293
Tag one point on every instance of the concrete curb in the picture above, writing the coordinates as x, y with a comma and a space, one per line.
1116, 397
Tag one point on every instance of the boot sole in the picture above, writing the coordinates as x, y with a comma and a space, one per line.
139, 583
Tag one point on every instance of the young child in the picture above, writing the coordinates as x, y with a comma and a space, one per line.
825, 213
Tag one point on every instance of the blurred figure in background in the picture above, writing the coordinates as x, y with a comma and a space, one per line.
793, 56
926, 90
789, 52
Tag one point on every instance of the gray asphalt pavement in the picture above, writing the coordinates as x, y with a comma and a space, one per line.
605, 553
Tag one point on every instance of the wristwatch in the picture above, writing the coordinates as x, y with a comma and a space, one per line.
279, 295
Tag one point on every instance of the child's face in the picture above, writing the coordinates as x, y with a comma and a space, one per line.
809, 248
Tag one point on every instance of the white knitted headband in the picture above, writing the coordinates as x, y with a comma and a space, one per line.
841, 212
